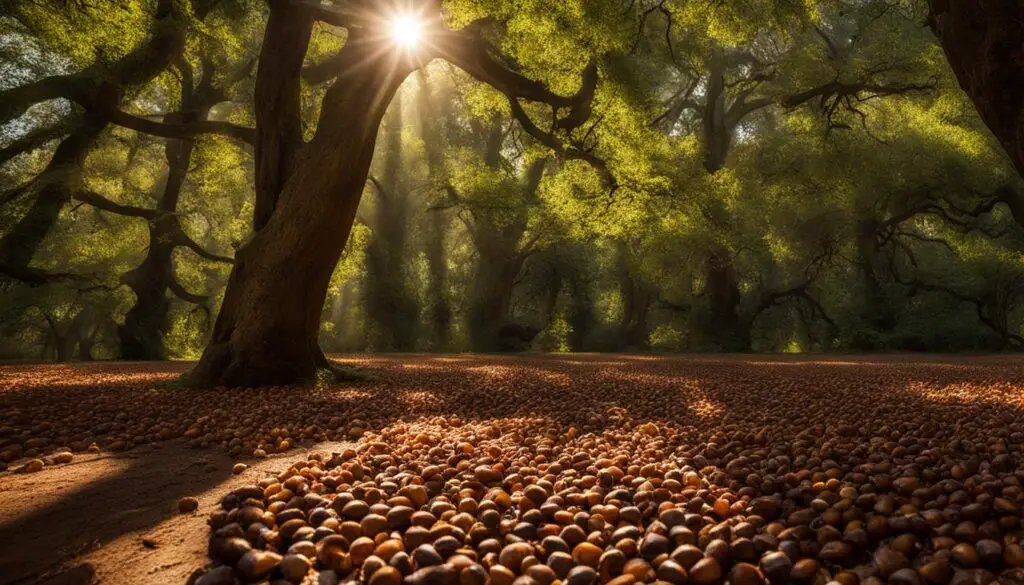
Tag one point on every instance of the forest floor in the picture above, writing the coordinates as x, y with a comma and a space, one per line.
928, 433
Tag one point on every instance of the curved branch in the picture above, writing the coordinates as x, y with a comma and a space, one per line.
551, 141
133, 69
34, 276
38, 137
342, 15
861, 92
382, 192
472, 54
323, 71
180, 131
180, 238
183, 294
100, 202
16, 193
16, 101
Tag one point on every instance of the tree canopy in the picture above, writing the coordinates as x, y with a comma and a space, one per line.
256, 183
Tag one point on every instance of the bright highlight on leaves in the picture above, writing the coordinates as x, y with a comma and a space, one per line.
406, 31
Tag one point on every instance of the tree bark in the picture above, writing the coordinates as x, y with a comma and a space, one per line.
879, 313
278, 105
493, 284
266, 332
636, 302
717, 134
983, 43
723, 325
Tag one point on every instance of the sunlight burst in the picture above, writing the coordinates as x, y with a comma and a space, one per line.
406, 31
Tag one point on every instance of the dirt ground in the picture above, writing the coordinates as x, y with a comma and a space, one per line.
112, 517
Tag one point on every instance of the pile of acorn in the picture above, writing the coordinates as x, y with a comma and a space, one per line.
531, 501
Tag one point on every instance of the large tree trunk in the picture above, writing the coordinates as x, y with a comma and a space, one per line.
266, 332
581, 316
493, 283
66, 342
636, 302
439, 311
145, 323
86, 342
984, 42
278, 106
717, 134
878, 310
723, 325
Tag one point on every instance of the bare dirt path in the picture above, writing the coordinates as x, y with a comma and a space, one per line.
113, 518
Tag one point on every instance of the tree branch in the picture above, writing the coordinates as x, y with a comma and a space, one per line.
100, 202
38, 137
33, 276
278, 102
180, 131
16, 101
343, 15
16, 193
381, 191
183, 294
180, 238
551, 141
836, 94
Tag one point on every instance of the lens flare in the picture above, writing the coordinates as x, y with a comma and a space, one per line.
406, 31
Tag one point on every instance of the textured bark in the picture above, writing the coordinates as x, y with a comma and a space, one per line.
718, 132
278, 105
266, 332
983, 43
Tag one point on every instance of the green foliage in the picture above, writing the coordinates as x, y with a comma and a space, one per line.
789, 176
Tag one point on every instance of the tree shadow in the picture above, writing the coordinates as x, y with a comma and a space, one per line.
101, 501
